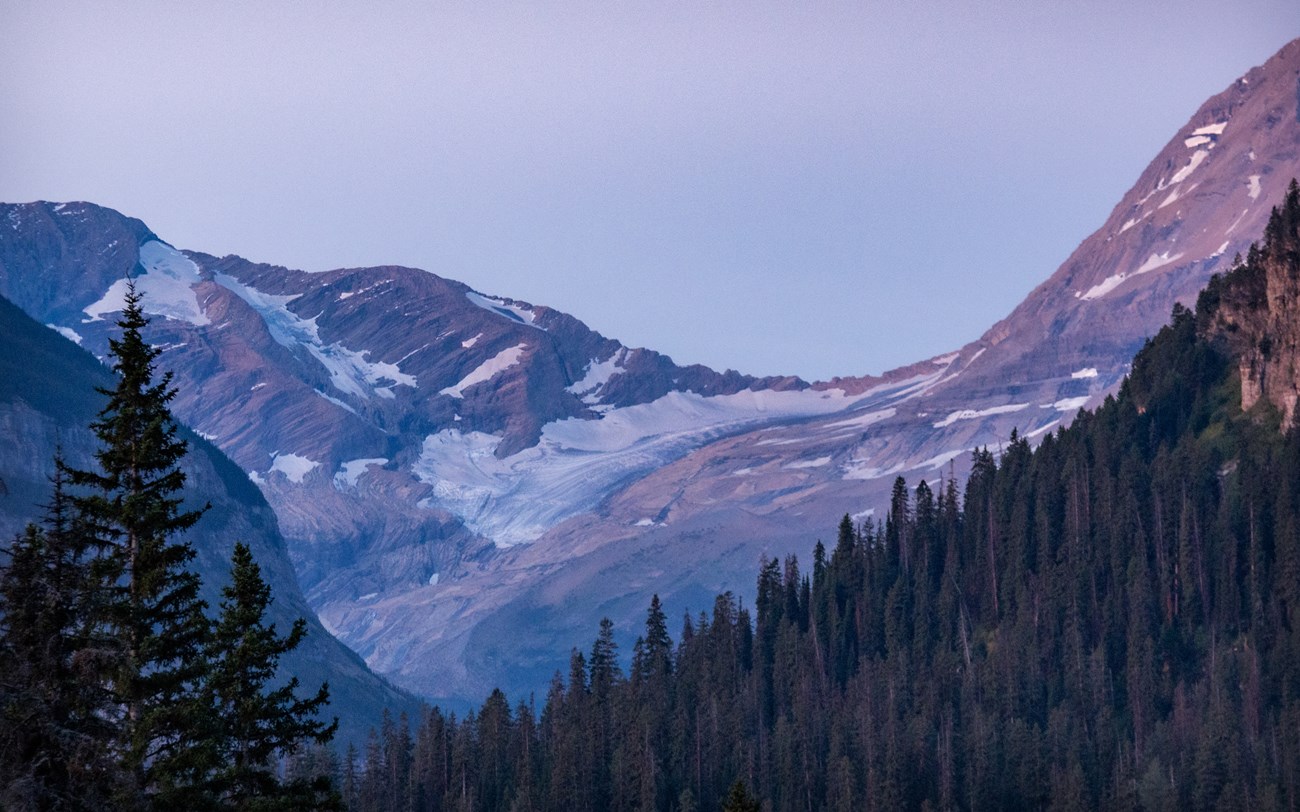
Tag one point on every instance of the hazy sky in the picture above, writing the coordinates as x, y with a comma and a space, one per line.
806, 188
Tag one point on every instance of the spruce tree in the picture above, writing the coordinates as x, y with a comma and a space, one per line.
53, 734
151, 600
258, 724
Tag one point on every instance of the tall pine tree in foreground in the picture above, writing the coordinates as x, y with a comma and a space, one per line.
257, 724
116, 690
151, 599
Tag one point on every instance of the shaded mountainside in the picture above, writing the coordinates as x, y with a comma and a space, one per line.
1109, 621
450, 467
47, 401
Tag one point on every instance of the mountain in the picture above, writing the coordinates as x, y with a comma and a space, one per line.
47, 401
463, 479
1108, 621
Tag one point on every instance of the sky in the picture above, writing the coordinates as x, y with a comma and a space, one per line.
815, 189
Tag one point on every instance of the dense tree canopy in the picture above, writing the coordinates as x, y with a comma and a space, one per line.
116, 688
1111, 620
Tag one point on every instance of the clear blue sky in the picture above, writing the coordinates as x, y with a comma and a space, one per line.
815, 189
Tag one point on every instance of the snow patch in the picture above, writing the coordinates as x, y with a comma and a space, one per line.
1115, 280
166, 287
1086, 372
469, 342
1069, 404
515, 313
348, 369
1183, 174
333, 400
972, 414
350, 471
864, 420
645, 523
861, 469
816, 463
1157, 261
1175, 195
597, 375
1236, 222
67, 332
1041, 429
293, 466
1254, 190
1130, 223
516, 499
1198, 140
486, 370
1211, 129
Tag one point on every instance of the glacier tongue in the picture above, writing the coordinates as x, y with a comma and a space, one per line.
516, 499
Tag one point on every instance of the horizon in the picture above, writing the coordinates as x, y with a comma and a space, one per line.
593, 160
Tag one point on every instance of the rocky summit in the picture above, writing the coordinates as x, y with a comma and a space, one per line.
464, 480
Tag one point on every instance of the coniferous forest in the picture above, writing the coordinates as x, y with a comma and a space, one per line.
1109, 620
118, 690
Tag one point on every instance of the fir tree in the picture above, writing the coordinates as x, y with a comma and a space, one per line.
53, 735
258, 724
739, 799
151, 602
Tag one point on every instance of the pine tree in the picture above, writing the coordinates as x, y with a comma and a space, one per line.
151, 600
739, 799
52, 729
258, 724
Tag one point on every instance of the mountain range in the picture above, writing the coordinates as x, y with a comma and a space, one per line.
48, 399
463, 480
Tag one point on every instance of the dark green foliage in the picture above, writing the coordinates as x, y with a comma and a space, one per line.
150, 606
1109, 621
739, 799
52, 729
116, 690
258, 723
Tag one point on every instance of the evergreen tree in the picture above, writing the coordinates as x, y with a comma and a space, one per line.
739, 799
53, 732
151, 603
257, 723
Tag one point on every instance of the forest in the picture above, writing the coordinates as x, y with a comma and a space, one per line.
119, 688
1108, 620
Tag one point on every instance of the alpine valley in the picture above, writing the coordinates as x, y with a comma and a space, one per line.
464, 481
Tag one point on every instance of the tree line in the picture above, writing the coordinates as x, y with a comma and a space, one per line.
1110, 620
117, 690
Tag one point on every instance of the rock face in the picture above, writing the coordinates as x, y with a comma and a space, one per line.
467, 482
47, 401
1256, 317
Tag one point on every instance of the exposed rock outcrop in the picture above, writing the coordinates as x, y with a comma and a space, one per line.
450, 467
1259, 314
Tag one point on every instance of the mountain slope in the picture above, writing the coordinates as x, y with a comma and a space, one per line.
451, 468
48, 399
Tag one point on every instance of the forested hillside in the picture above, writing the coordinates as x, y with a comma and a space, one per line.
1111, 620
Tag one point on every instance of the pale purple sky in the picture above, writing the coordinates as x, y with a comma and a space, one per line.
815, 189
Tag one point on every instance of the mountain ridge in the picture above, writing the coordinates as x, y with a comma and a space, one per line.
47, 400
450, 467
